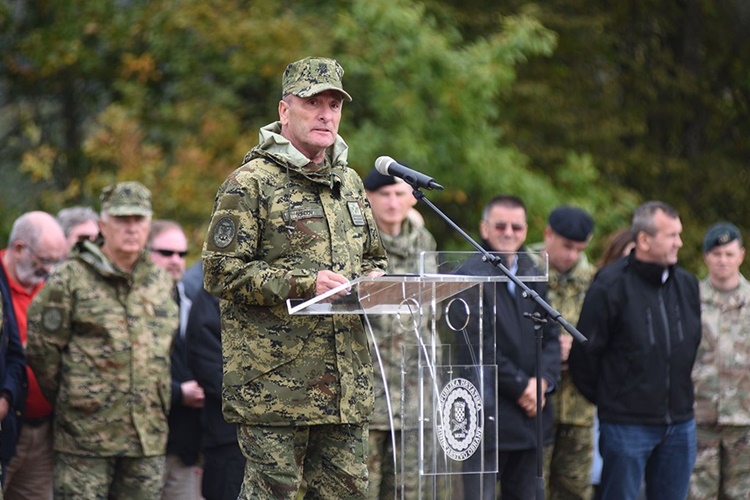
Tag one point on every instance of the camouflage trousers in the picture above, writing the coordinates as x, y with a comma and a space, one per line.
567, 463
384, 478
319, 461
108, 478
722, 465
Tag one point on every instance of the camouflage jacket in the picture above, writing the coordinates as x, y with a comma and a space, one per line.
403, 258
565, 293
721, 373
99, 341
275, 223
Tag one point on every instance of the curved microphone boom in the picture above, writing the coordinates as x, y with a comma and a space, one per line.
388, 166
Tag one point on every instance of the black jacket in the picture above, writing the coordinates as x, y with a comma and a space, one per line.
205, 360
643, 336
12, 373
184, 422
514, 351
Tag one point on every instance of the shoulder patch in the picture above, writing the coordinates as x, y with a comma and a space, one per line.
225, 231
52, 319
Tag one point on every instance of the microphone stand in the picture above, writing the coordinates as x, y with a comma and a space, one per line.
538, 318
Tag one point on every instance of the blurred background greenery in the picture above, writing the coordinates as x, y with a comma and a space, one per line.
595, 103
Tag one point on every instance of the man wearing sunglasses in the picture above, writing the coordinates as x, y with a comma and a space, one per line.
503, 229
168, 246
35, 247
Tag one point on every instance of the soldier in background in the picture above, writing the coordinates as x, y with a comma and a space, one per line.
294, 222
568, 459
722, 371
391, 201
100, 333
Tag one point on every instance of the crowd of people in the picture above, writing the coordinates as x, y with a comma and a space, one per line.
127, 375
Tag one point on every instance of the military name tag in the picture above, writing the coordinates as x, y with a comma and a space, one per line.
357, 218
306, 213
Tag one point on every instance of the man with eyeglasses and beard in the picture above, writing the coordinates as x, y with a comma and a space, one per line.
35, 247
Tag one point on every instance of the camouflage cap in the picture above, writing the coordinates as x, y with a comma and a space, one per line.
126, 198
313, 75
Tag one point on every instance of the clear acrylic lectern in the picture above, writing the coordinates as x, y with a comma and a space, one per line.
448, 421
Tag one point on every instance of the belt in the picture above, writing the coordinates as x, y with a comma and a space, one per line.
36, 422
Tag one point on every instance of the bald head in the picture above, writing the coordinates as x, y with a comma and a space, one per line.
35, 246
32, 226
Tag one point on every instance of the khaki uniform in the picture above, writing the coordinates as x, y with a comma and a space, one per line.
721, 375
99, 342
403, 258
275, 224
568, 461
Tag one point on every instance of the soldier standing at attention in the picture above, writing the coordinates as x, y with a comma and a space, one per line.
722, 371
568, 460
100, 333
294, 222
391, 201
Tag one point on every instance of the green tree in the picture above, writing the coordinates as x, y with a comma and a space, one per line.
655, 94
173, 95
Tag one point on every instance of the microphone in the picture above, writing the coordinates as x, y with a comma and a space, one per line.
388, 166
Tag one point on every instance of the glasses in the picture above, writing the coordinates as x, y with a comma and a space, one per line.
503, 226
169, 253
45, 262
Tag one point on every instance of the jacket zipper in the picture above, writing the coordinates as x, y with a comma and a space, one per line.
665, 320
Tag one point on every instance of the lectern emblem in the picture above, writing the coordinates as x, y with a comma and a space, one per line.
460, 426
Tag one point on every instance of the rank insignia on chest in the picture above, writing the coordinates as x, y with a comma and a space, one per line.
358, 219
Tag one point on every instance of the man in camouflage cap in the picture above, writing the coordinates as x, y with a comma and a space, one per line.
722, 371
294, 222
100, 333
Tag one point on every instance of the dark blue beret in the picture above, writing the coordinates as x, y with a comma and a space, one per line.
572, 223
375, 180
719, 234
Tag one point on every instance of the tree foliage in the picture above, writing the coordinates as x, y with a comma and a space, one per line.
655, 94
590, 102
172, 94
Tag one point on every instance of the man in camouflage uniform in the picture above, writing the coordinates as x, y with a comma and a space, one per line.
391, 200
294, 222
722, 371
100, 333
568, 460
